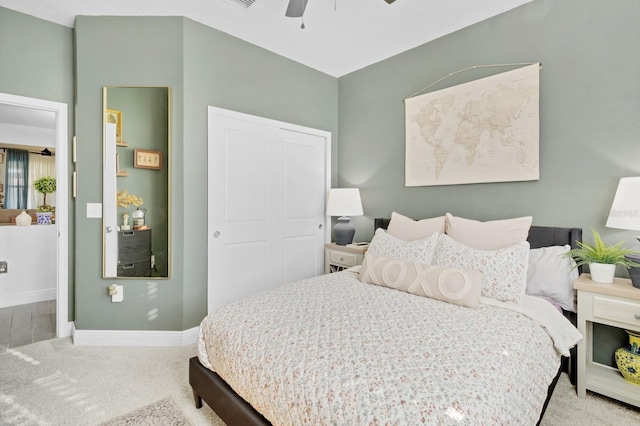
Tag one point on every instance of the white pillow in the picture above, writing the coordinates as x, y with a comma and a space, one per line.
411, 251
408, 229
505, 270
491, 235
450, 285
551, 275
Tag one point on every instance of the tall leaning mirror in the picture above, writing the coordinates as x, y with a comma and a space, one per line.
136, 176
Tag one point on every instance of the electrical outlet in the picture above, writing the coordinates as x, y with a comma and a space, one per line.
118, 295
4, 268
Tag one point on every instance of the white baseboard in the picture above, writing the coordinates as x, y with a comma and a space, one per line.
134, 337
66, 330
27, 297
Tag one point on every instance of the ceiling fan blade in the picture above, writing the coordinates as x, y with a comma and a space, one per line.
296, 8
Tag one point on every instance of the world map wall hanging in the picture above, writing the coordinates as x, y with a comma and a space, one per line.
486, 130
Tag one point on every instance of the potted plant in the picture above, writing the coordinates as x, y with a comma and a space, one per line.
602, 259
45, 185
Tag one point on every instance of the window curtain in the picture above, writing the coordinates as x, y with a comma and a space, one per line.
40, 166
17, 179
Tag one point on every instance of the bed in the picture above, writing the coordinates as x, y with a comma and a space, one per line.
337, 357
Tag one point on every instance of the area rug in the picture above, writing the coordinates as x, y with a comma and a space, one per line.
161, 413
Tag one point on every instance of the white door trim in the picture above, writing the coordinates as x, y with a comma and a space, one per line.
210, 173
63, 325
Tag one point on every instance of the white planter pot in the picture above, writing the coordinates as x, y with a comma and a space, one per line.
602, 273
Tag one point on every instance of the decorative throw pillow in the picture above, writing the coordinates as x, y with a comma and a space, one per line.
505, 270
551, 275
450, 285
491, 235
408, 229
411, 251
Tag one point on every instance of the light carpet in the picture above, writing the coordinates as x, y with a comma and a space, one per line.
55, 383
160, 413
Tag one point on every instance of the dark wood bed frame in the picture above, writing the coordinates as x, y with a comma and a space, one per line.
234, 410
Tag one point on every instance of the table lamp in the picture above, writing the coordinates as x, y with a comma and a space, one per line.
625, 214
344, 202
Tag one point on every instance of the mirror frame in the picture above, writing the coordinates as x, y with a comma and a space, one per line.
109, 202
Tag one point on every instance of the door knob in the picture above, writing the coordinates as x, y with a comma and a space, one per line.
108, 229
216, 234
320, 226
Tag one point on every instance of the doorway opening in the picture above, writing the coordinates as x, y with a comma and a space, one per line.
22, 123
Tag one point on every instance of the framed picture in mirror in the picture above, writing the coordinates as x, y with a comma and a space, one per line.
147, 159
115, 117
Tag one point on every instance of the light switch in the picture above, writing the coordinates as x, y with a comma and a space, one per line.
94, 210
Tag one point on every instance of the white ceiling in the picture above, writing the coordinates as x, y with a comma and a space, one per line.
341, 36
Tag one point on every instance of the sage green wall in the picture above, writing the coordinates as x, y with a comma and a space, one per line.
225, 72
123, 51
36, 60
589, 114
204, 67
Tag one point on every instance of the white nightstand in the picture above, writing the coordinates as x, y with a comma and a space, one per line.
337, 258
617, 305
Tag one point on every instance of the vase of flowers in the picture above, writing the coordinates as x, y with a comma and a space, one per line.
125, 199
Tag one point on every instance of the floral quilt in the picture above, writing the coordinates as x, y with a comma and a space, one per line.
332, 350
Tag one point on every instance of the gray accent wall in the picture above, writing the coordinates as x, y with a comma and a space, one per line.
36, 60
589, 114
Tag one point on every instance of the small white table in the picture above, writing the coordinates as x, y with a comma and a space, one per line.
617, 305
338, 258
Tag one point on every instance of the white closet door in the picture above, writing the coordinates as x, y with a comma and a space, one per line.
303, 195
267, 186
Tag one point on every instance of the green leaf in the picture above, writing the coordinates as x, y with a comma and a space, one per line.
599, 252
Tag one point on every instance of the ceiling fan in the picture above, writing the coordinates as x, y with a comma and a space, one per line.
295, 9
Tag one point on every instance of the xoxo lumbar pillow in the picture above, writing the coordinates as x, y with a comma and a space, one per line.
452, 285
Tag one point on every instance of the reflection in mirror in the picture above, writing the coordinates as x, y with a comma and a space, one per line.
136, 176
27, 153
20, 167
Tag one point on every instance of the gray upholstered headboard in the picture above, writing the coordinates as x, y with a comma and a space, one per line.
539, 236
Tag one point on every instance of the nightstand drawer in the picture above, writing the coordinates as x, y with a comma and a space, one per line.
623, 311
342, 258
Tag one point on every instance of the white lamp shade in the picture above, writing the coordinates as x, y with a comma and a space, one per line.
344, 202
625, 210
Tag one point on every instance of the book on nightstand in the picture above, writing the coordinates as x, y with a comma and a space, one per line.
358, 245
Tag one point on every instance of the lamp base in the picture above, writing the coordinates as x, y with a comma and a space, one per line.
634, 271
344, 231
